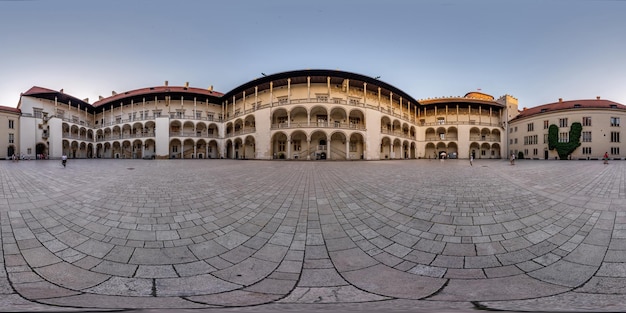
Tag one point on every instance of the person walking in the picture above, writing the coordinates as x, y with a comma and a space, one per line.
606, 157
64, 160
512, 158
471, 160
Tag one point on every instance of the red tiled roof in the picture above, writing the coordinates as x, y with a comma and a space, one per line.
10, 109
37, 90
159, 90
571, 105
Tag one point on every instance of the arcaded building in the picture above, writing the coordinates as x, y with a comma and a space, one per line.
297, 115
601, 129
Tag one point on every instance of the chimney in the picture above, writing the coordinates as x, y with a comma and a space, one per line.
113, 93
187, 84
100, 97
560, 99
166, 83
86, 100
598, 98
211, 88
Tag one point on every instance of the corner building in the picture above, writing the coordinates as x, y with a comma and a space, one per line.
297, 115
601, 129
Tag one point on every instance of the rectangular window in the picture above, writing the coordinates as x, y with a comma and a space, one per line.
586, 150
281, 146
37, 112
322, 98
586, 120
535, 151
209, 116
515, 140
74, 119
586, 136
525, 151
354, 101
11, 138
296, 145
615, 137
60, 113
352, 146
563, 122
564, 137
11, 124
283, 100
546, 124
174, 148
531, 127
118, 119
442, 136
545, 138
510, 141
156, 113
615, 150
441, 120
615, 121
198, 115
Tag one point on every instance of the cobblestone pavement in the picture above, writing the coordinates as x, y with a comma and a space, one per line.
405, 235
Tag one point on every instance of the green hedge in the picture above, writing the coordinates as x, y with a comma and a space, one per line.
564, 149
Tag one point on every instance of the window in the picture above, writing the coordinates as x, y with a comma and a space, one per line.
586, 150
354, 101
11, 124
511, 141
516, 129
322, 98
545, 138
615, 137
586, 120
615, 150
441, 120
586, 136
156, 113
531, 127
37, 112
337, 100
355, 121
281, 145
282, 120
180, 113
283, 100
60, 113
198, 115
535, 151
525, 151
530, 140
209, 116
174, 148
352, 146
615, 121
296, 145
563, 122
515, 140
29, 151
75, 119
546, 124
564, 137
11, 138
442, 136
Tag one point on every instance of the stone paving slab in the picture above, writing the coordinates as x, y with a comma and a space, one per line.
406, 235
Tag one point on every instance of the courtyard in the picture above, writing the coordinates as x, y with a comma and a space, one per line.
307, 235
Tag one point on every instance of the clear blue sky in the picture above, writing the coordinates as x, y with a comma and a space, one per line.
536, 50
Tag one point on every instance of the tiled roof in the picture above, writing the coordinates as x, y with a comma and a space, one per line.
570, 105
156, 90
9, 109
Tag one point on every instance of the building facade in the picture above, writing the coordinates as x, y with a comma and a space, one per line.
601, 129
10, 134
298, 115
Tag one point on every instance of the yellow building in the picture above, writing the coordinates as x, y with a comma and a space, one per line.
10, 135
601, 129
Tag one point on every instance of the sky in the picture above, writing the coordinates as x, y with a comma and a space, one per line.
535, 50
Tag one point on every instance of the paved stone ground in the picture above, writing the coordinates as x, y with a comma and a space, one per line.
261, 236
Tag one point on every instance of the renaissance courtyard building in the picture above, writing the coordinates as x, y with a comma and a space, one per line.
297, 115
302, 115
